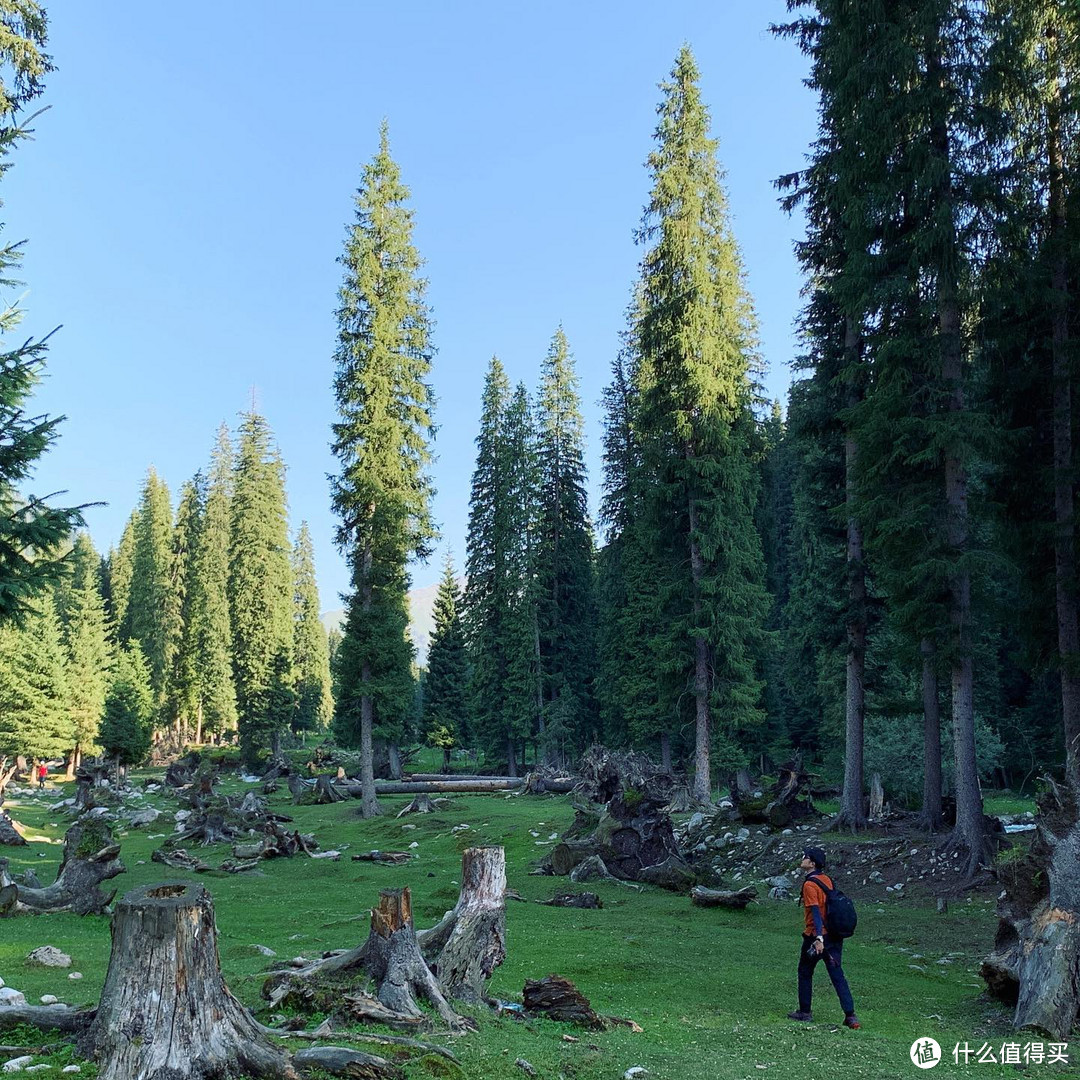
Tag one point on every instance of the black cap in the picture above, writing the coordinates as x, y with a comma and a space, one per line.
817, 855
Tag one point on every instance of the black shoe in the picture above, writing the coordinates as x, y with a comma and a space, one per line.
798, 1014
852, 1021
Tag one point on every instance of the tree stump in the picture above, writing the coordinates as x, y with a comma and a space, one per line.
1036, 959
324, 791
165, 1010
559, 999
90, 857
9, 832
877, 798
395, 963
470, 942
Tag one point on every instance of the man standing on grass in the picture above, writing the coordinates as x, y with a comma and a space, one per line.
817, 942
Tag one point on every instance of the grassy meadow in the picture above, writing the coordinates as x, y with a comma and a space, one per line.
710, 988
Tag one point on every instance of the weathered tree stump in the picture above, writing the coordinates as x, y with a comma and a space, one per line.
353, 1064
90, 857
165, 1010
179, 859
470, 942
324, 791
423, 804
877, 798
703, 897
1036, 959
574, 900
395, 963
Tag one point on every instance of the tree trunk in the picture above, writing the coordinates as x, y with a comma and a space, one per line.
970, 831
1064, 490
165, 1010
877, 798
470, 942
665, 751
511, 756
393, 960
931, 816
370, 804
394, 755
69, 773
432, 787
851, 806
446, 759
702, 786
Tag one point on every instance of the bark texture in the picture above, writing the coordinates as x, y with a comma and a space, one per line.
165, 1011
466, 947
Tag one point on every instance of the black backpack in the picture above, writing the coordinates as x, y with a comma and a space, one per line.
840, 916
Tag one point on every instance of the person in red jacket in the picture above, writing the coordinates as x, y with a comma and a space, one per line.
42, 774
817, 943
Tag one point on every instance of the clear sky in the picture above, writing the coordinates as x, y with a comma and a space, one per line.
187, 193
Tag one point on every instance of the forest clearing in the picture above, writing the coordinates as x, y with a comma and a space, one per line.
708, 987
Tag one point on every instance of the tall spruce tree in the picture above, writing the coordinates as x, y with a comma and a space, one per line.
383, 491
564, 559
446, 684
185, 693
121, 568
152, 615
696, 340
259, 588
485, 603
213, 631
84, 630
311, 655
129, 709
33, 534
35, 718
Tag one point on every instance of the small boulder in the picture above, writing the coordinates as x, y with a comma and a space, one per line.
49, 956
75, 975
14, 1065
10, 996
49, 999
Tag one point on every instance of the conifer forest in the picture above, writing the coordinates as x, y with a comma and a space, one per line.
845, 620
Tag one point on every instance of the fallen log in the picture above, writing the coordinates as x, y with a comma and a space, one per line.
703, 897
559, 999
90, 857
574, 900
62, 1018
165, 1009
465, 948
435, 787
179, 859
386, 858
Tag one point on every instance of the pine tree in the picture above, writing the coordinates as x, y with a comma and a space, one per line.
314, 705
129, 708
185, 692
259, 588
152, 615
121, 569
446, 683
382, 493
484, 602
35, 716
33, 534
88, 652
564, 559
696, 340
217, 705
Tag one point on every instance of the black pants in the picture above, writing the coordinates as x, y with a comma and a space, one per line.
834, 947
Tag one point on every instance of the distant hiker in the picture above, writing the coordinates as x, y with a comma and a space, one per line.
818, 942
42, 774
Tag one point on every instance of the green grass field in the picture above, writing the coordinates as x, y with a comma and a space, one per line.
710, 988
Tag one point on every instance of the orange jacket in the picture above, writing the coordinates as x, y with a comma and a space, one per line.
813, 896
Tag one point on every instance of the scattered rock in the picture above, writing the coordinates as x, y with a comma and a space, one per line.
71, 1069
49, 999
634, 1072
414, 844
264, 950
49, 956
10, 996
18, 1064
75, 975
521, 1063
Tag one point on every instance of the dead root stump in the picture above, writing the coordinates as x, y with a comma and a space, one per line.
574, 900
470, 941
559, 999
90, 857
9, 832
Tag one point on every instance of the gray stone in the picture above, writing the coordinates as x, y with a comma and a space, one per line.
49, 956
14, 1065
10, 996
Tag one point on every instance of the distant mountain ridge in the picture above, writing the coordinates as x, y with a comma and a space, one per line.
421, 618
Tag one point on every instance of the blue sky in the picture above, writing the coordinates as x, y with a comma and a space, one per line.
186, 197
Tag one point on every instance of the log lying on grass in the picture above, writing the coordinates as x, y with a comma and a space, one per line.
738, 900
469, 943
574, 900
559, 999
90, 857
1036, 959
386, 858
